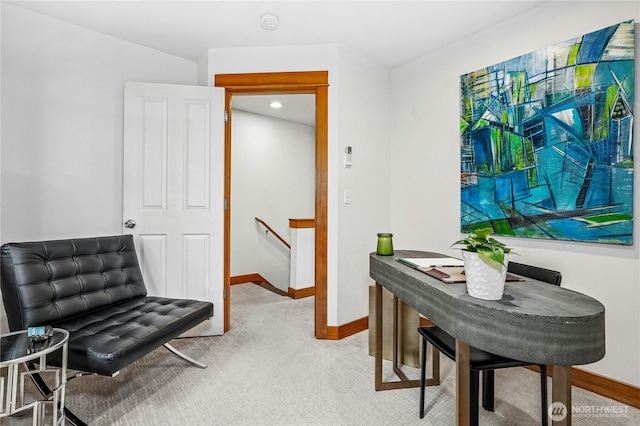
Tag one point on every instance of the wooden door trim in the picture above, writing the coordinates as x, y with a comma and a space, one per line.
289, 80
309, 82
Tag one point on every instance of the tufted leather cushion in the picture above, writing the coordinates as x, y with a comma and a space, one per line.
107, 340
93, 288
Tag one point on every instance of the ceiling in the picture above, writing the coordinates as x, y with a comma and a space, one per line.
391, 32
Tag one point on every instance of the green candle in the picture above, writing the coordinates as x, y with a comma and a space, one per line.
385, 244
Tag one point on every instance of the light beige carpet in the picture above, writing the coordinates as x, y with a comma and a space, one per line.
270, 370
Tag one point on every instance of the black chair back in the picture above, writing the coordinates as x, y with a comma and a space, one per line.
535, 272
45, 282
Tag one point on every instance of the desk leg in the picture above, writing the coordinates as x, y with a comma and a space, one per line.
463, 379
404, 382
378, 357
561, 392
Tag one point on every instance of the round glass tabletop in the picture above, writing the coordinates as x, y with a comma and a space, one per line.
16, 347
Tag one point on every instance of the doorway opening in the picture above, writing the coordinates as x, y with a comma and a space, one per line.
273, 192
310, 82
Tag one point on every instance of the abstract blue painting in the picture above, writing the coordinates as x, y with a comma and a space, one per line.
546, 141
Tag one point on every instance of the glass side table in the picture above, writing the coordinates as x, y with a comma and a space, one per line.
16, 348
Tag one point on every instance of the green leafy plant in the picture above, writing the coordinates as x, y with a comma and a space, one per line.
479, 242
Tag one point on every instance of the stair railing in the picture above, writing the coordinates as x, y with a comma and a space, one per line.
269, 229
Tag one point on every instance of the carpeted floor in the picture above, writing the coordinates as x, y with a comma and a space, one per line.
270, 370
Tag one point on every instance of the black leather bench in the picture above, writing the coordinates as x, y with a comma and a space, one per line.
93, 288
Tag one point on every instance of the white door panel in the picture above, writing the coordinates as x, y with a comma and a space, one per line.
173, 190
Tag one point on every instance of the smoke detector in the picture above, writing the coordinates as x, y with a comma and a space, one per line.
269, 22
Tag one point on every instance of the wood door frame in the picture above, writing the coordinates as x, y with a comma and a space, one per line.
304, 82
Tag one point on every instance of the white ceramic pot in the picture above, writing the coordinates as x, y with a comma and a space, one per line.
485, 278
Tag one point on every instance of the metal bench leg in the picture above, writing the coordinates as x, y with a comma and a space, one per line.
185, 357
42, 387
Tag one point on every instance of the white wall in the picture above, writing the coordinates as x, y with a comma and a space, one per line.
204, 79
62, 89
364, 125
425, 163
358, 116
273, 178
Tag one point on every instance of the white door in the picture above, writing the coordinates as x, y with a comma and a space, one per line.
174, 191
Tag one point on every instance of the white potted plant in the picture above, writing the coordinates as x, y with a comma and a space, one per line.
485, 264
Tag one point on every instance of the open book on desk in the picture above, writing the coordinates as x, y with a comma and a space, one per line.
430, 262
445, 272
456, 275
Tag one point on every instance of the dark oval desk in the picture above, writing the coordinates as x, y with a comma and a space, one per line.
534, 321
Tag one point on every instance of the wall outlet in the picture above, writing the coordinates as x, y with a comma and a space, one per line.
347, 196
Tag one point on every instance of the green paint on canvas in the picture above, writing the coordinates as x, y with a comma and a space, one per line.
584, 75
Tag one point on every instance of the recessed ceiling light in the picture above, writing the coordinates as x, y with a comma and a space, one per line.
269, 22
275, 104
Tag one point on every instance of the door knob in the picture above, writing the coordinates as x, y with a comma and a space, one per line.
130, 223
